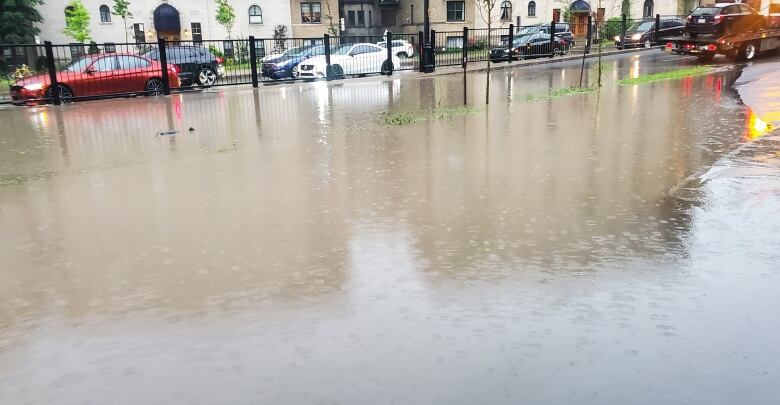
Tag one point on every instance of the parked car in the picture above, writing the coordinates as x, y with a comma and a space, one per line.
350, 59
401, 48
529, 46
286, 66
724, 18
195, 64
643, 33
96, 75
562, 30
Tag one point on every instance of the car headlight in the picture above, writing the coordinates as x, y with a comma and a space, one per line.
617, 38
636, 37
33, 86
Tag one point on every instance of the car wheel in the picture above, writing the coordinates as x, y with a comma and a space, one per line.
336, 71
403, 55
648, 44
206, 77
155, 87
748, 51
387, 67
66, 95
295, 73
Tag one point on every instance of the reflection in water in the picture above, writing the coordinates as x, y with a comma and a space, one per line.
291, 242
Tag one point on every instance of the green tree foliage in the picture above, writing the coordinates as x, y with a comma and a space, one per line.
121, 8
226, 16
77, 22
17, 18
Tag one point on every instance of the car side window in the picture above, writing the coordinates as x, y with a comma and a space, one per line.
132, 62
104, 64
730, 10
361, 49
745, 9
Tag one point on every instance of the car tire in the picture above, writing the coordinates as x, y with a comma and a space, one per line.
336, 71
387, 67
403, 55
748, 52
295, 73
154, 87
206, 77
66, 94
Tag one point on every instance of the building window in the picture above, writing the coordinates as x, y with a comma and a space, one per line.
350, 18
105, 14
455, 10
255, 15
361, 18
532, 9
109, 47
259, 48
138, 33
506, 11
197, 33
68, 11
647, 10
311, 13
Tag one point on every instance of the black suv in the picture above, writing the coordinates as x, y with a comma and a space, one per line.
643, 33
723, 19
194, 64
562, 30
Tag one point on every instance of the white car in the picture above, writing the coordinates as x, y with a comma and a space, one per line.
350, 59
401, 48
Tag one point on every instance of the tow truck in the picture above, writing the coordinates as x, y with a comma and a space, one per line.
738, 46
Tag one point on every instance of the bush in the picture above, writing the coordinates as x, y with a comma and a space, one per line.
611, 28
215, 51
41, 63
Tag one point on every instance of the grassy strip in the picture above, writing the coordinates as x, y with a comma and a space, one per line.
562, 92
411, 118
669, 75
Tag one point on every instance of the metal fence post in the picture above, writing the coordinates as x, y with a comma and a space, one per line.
465, 60
623, 31
423, 55
589, 36
389, 45
53, 85
253, 60
432, 55
164, 66
656, 35
552, 39
326, 40
509, 42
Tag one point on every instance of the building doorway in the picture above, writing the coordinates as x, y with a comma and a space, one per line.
167, 23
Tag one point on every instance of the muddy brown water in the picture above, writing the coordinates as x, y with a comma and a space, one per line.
292, 249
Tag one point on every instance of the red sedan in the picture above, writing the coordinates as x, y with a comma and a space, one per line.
96, 75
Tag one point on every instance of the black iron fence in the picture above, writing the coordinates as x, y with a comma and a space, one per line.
64, 73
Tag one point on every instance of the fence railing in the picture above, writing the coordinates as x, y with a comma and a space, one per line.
64, 73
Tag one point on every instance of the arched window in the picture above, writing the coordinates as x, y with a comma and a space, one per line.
105, 14
532, 9
506, 11
68, 11
647, 10
255, 15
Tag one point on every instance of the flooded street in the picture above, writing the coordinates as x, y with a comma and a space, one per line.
619, 246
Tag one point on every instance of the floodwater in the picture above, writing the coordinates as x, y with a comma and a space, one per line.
290, 249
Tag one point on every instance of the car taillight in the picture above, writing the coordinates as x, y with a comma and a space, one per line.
176, 69
669, 45
718, 18
220, 60
712, 48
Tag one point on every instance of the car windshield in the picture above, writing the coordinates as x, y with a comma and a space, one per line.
643, 26
705, 11
528, 30
296, 51
343, 49
79, 65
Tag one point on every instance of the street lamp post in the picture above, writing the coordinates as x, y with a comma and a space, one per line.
427, 60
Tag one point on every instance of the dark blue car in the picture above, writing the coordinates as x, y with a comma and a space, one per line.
286, 65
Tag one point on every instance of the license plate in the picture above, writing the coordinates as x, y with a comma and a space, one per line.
702, 21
